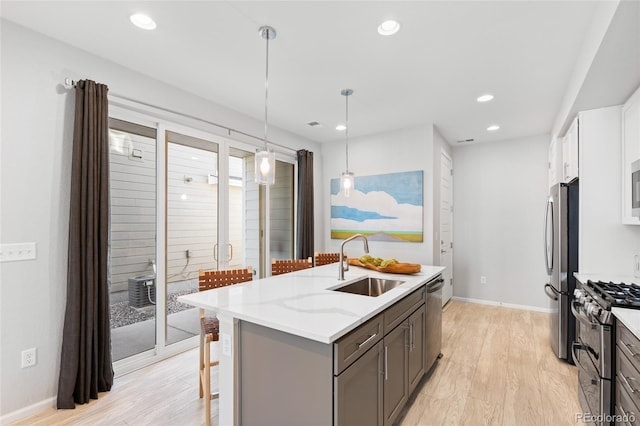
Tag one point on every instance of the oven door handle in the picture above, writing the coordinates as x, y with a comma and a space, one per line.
582, 317
554, 293
574, 346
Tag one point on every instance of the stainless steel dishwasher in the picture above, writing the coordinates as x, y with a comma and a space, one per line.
434, 321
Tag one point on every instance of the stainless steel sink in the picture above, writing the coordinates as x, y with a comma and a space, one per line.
369, 286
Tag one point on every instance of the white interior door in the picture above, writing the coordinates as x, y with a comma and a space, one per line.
446, 226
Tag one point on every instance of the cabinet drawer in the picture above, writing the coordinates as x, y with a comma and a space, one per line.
626, 411
627, 377
629, 344
401, 310
352, 346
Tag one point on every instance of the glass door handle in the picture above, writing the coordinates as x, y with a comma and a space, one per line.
230, 252
215, 252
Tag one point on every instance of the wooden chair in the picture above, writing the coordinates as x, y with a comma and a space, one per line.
289, 265
326, 258
210, 327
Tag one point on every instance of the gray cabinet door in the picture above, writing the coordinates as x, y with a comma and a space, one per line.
417, 347
358, 391
396, 383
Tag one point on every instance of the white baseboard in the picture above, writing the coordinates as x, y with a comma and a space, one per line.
28, 411
505, 305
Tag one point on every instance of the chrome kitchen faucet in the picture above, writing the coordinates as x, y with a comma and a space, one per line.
341, 267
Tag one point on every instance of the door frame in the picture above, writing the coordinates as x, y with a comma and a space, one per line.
444, 154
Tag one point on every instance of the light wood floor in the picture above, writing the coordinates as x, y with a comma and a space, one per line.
497, 369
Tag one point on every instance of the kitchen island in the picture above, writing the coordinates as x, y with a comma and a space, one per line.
278, 336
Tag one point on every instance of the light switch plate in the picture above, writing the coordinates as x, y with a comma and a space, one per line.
18, 251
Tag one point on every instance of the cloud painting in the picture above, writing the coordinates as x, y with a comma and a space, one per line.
383, 207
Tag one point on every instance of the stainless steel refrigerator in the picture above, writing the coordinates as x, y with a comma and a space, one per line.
561, 260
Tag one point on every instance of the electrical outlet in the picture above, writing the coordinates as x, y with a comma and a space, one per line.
483, 280
29, 358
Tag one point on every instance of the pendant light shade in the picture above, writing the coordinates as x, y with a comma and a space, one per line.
347, 177
346, 183
265, 160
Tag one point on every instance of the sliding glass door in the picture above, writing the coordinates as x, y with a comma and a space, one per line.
132, 267
192, 236
203, 176
183, 200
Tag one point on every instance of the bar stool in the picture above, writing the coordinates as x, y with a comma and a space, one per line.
279, 266
210, 327
326, 258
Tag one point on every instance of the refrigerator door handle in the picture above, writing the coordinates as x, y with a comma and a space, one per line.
554, 294
549, 209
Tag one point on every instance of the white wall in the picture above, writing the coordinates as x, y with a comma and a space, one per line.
499, 194
606, 245
397, 151
36, 136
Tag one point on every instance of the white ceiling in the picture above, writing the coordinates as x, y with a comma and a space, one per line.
445, 55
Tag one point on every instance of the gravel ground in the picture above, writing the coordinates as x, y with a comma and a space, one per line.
123, 314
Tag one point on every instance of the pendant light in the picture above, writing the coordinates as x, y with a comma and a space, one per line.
347, 177
265, 160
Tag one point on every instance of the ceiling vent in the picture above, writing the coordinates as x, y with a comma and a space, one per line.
313, 124
465, 140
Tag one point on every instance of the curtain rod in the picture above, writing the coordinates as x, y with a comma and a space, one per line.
72, 83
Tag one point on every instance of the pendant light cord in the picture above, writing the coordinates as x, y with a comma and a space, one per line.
266, 89
346, 131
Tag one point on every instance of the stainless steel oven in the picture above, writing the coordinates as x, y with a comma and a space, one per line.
594, 347
592, 354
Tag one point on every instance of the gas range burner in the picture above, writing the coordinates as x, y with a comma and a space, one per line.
617, 294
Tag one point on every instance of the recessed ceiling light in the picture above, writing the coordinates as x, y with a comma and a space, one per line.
341, 127
143, 21
485, 98
493, 128
389, 27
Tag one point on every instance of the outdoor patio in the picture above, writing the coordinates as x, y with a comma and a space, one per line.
133, 329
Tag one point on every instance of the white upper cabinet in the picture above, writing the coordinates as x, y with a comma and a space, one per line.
555, 161
570, 153
630, 152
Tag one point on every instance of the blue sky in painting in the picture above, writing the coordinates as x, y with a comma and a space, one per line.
350, 213
404, 187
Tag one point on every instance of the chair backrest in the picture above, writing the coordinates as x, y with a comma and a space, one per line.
289, 265
215, 279
326, 258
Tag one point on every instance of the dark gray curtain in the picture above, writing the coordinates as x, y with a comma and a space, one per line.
305, 205
85, 366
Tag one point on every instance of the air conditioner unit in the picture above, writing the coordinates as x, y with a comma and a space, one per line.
142, 291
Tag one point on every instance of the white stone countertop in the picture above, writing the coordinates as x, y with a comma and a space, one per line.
302, 303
